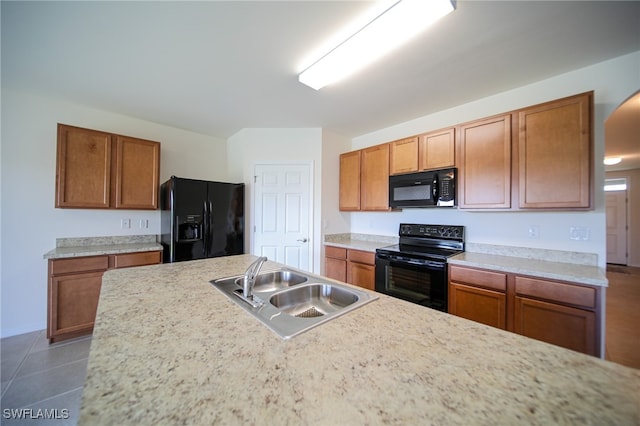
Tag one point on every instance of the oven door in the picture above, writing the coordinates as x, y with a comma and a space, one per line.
416, 280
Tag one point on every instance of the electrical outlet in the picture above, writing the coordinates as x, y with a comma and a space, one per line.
144, 223
125, 223
579, 233
534, 231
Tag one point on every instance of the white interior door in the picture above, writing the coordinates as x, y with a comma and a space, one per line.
616, 202
282, 213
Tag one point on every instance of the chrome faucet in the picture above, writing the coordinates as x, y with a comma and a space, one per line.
250, 277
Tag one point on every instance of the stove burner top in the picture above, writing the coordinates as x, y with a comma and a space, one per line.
433, 252
428, 241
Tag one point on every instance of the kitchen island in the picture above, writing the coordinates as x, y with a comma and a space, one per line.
168, 348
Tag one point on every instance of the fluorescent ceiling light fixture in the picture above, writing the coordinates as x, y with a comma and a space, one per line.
394, 23
610, 161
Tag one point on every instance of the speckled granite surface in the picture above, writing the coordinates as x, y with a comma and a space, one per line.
583, 274
362, 242
94, 246
168, 348
553, 264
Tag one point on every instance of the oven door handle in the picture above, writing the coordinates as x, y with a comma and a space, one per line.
404, 261
428, 263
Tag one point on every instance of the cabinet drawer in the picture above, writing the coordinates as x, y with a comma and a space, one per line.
557, 292
492, 280
78, 264
366, 257
335, 252
127, 260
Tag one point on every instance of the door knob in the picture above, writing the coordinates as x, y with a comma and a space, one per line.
303, 240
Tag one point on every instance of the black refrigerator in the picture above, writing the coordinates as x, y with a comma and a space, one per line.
201, 219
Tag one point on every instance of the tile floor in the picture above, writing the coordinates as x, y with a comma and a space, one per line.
37, 376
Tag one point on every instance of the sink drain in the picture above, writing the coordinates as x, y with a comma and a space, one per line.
310, 313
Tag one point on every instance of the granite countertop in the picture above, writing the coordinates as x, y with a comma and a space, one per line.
95, 246
169, 348
553, 264
572, 272
362, 242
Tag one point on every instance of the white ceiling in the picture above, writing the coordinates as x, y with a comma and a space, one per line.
216, 67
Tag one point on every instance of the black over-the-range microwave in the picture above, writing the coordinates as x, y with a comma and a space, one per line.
433, 188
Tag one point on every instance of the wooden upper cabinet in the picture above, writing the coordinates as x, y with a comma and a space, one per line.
485, 163
350, 180
101, 170
83, 168
554, 158
403, 156
375, 178
137, 173
437, 150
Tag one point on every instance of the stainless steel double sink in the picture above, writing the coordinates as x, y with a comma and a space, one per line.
291, 302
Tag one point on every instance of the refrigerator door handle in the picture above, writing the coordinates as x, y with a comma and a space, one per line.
210, 237
205, 225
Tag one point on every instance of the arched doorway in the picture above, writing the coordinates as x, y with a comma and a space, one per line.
622, 140
622, 136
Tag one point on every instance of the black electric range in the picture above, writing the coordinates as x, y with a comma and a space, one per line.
415, 269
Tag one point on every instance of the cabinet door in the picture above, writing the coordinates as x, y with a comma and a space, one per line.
375, 178
485, 164
336, 269
437, 150
73, 300
403, 156
137, 173
361, 275
478, 304
564, 326
83, 168
554, 154
350, 181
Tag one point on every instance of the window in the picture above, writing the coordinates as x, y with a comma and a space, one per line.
619, 184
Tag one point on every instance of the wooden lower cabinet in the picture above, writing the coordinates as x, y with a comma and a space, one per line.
74, 290
73, 303
336, 263
361, 269
478, 304
560, 313
478, 295
355, 267
560, 325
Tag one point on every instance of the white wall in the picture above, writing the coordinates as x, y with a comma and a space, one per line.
31, 224
333, 220
612, 81
253, 146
